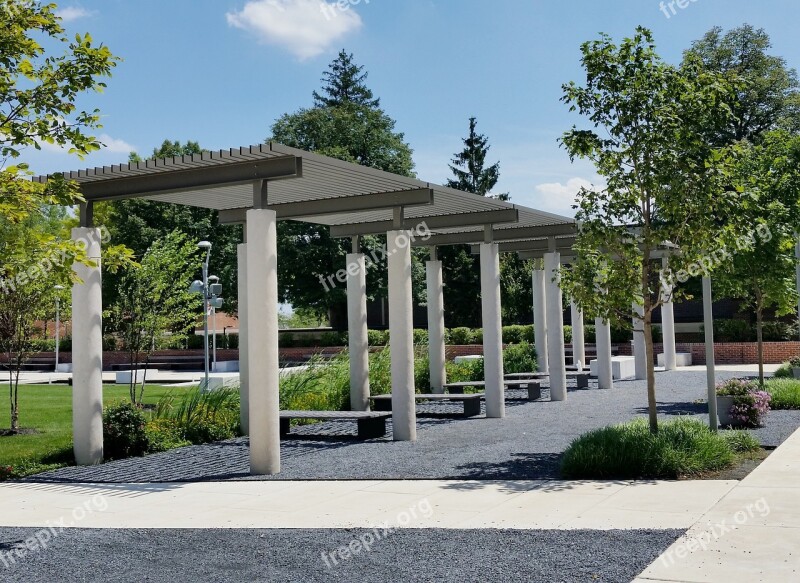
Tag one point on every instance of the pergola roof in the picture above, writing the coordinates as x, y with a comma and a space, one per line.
303, 186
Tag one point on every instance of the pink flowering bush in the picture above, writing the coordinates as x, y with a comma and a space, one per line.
750, 404
6, 472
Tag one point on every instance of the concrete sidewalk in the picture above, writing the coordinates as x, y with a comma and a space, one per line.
752, 534
364, 504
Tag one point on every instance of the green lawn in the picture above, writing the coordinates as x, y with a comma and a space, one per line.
48, 409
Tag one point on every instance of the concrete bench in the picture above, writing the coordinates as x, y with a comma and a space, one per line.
371, 424
534, 388
472, 403
581, 378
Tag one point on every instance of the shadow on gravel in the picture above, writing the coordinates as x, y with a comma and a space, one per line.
522, 466
677, 409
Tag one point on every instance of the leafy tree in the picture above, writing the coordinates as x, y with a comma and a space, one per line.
763, 273
42, 75
348, 124
138, 223
666, 183
345, 83
768, 96
155, 301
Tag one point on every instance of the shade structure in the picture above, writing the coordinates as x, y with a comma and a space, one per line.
272, 182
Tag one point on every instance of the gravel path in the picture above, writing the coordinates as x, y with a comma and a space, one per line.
527, 444
233, 556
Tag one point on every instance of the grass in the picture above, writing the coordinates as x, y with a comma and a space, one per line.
48, 409
682, 448
785, 393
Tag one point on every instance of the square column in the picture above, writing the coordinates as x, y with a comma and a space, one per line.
639, 348
244, 368
797, 256
492, 331
87, 352
262, 341
711, 375
358, 342
436, 346
540, 317
668, 323
605, 372
555, 327
578, 339
401, 335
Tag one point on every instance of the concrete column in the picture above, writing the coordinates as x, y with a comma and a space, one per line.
605, 372
87, 353
578, 342
711, 380
639, 348
540, 318
357, 331
555, 327
262, 345
492, 331
401, 336
668, 324
244, 368
436, 346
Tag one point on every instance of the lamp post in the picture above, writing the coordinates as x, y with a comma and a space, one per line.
58, 288
214, 280
211, 300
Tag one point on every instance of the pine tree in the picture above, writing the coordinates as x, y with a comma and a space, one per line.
344, 83
469, 165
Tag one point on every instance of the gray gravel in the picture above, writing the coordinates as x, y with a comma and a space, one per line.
527, 444
232, 556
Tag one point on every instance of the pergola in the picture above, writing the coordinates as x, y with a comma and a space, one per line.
261, 185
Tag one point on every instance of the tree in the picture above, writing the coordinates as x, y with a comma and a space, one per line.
768, 96
460, 268
666, 183
763, 273
348, 124
138, 223
154, 301
38, 94
345, 83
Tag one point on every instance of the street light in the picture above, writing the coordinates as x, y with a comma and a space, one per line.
214, 281
58, 288
211, 300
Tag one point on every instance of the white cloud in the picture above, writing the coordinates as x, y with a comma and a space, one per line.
559, 198
72, 13
115, 145
307, 28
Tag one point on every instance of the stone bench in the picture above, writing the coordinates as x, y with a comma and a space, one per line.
371, 424
534, 388
681, 359
581, 378
472, 403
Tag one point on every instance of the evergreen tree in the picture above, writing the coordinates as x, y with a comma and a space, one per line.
469, 165
345, 82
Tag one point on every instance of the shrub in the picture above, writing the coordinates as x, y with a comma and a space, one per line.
784, 371
461, 336
621, 335
517, 334
378, 337
795, 362
776, 331
683, 447
731, 331
750, 404
568, 334
422, 374
477, 336
164, 434
329, 339
201, 416
590, 334
420, 337
461, 372
785, 393
124, 432
519, 358
741, 441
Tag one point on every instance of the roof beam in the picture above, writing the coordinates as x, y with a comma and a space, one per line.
507, 234
531, 245
193, 178
334, 206
497, 216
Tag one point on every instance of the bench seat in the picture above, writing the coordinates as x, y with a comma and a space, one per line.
472, 403
371, 424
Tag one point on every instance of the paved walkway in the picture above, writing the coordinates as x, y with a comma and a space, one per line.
365, 504
752, 534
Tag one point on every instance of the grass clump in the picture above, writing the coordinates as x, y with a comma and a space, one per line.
785, 393
681, 448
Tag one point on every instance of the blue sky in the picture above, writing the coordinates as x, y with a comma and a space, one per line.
221, 71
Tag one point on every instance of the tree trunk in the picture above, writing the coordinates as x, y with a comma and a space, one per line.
14, 387
652, 407
760, 337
